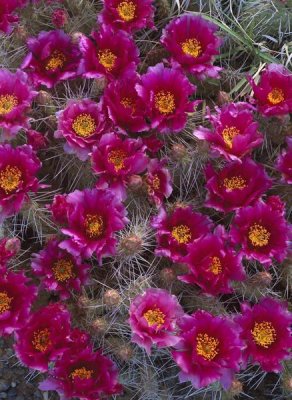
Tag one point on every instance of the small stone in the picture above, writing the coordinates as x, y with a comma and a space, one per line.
12, 393
13, 384
3, 395
4, 385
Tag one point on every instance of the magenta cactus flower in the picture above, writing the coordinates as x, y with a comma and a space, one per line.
128, 15
15, 100
273, 93
8, 14
276, 204
234, 132
81, 124
193, 45
83, 374
36, 140
153, 319
59, 271
18, 169
115, 160
262, 233
284, 162
44, 337
125, 108
265, 329
237, 184
165, 93
16, 297
209, 349
158, 181
52, 58
9, 247
176, 231
212, 264
108, 53
93, 217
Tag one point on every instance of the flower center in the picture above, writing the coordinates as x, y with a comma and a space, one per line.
81, 373
41, 340
264, 334
94, 226
107, 59
207, 346
154, 317
229, 134
7, 103
117, 158
215, 266
10, 178
235, 182
276, 96
192, 47
126, 10
56, 60
258, 235
5, 302
182, 234
63, 270
127, 102
164, 102
84, 125
155, 184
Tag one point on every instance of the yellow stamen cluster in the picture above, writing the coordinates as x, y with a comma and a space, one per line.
10, 178
117, 158
192, 47
215, 266
165, 102
107, 59
235, 182
258, 235
229, 134
207, 346
84, 125
182, 234
276, 96
126, 10
154, 317
5, 302
81, 373
41, 340
156, 182
56, 60
63, 270
264, 334
94, 226
128, 103
7, 103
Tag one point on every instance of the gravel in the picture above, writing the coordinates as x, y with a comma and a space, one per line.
17, 382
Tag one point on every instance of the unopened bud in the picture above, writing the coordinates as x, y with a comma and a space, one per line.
76, 36
235, 388
261, 279
131, 245
112, 298
179, 151
167, 276
44, 98
20, 33
100, 325
60, 18
223, 98
13, 245
135, 182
